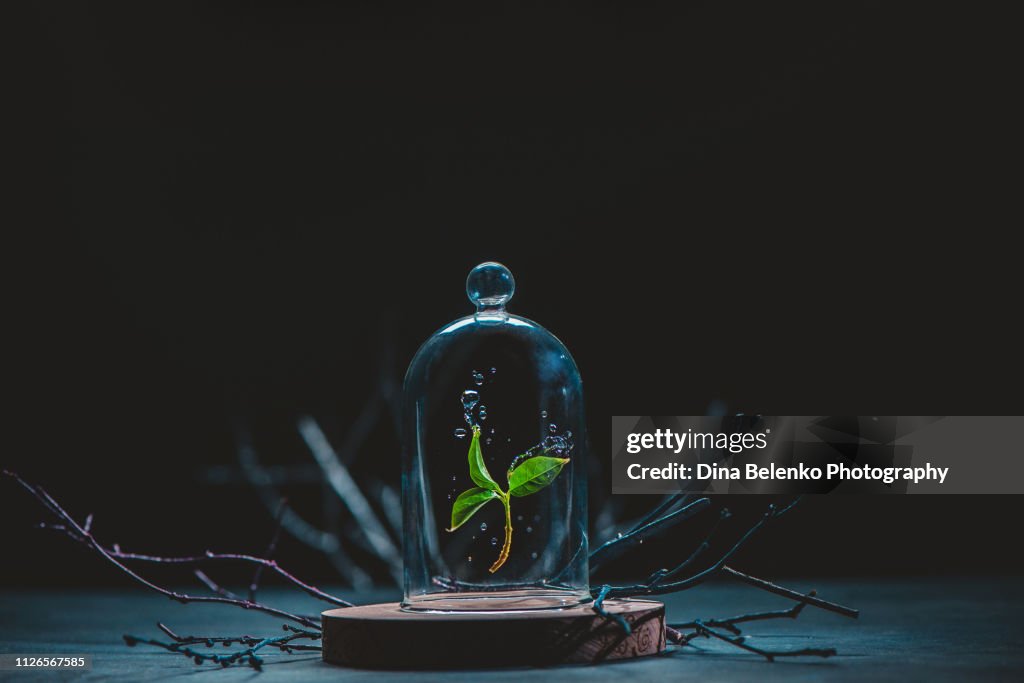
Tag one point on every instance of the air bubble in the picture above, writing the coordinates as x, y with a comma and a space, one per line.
494, 371
529, 529
455, 477
533, 556
478, 378
460, 433
543, 413
552, 428
494, 541
483, 526
469, 559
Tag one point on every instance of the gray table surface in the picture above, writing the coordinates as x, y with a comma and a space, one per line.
926, 629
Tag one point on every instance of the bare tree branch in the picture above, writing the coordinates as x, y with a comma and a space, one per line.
770, 655
350, 494
636, 535
182, 645
115, 557
791, 594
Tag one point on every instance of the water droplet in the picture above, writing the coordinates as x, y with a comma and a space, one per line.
552, 428
494, 371
508, 440
469, 559
483, 526
482, 412
460, 433
478, 378
488, 441
455, 478
519, 458
529, 529
449, 496
543, 413
559, 444
568, 435
640, 541
494, 541
519, 518
469, 400
533, 556
618, 535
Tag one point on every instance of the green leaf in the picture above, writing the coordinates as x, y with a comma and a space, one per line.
534, 474
468, 503
477, 469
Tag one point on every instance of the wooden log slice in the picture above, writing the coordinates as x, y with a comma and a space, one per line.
385, 637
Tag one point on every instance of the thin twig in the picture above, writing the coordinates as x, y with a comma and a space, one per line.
181, 645
637, 534
662, 574
598, 607
351, 495
729, 623
665, 507
657, 588
214, 586
116, 552
77, 531
260, 478
677, 637
791, 594
268, 554
770, 655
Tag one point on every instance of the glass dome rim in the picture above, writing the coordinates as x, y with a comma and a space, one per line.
462, 325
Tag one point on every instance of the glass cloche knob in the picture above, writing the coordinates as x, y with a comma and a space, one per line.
490, 285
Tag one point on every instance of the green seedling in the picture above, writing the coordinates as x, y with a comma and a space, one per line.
529, 476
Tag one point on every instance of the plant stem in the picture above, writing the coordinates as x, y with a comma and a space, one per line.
506, 500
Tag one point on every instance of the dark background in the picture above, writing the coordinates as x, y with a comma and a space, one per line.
237, 210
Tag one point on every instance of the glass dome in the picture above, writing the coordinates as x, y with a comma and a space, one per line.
494, 463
